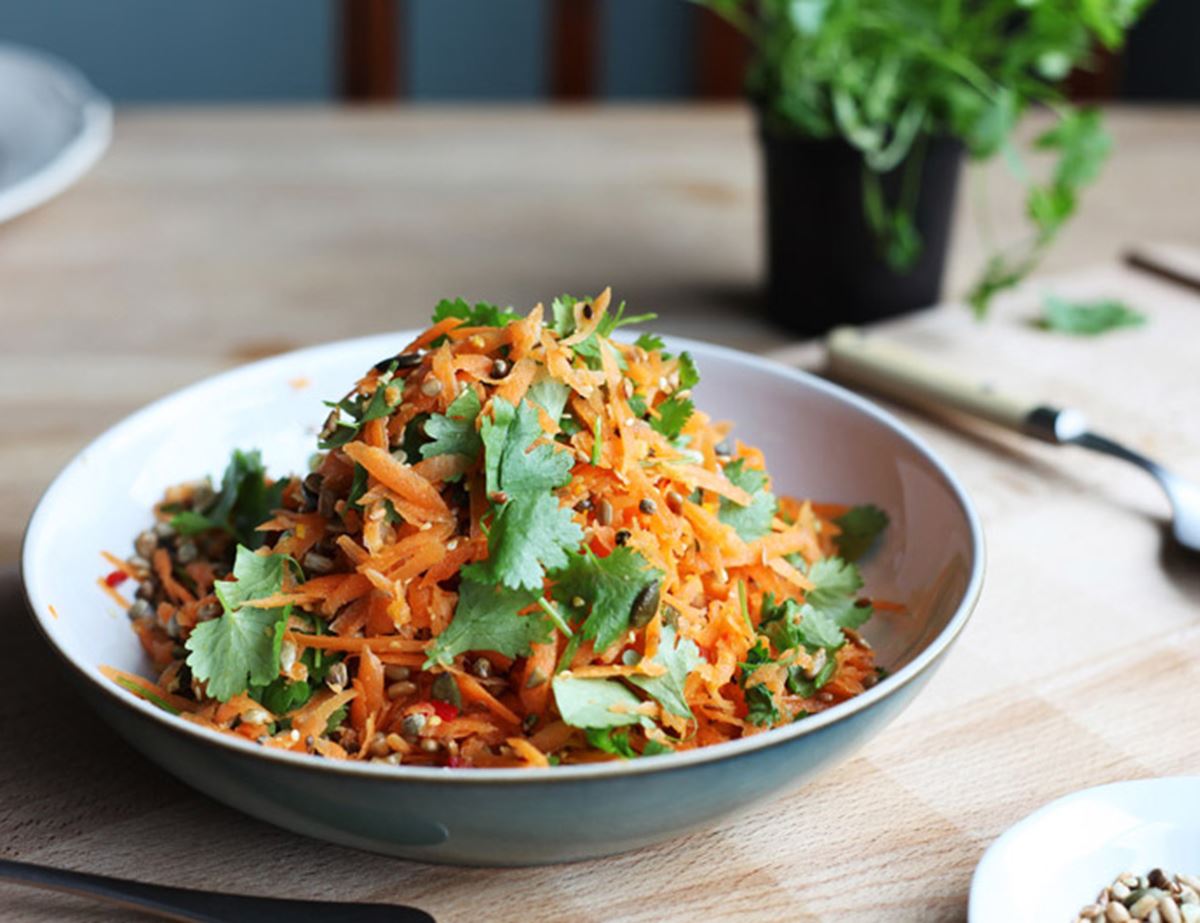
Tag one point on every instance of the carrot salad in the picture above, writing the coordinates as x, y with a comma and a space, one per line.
519, 544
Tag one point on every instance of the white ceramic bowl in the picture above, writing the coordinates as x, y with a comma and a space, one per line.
1056, 860
819, 440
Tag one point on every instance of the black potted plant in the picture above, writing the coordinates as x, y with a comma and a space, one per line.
866, 108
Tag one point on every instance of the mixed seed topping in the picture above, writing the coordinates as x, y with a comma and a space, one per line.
1155, 896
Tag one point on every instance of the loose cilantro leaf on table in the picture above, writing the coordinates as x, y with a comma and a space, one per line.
673, 414
860, 526
243, 502
1087, 318
487, 619
241, 647
680, 656
595, 703
608, 586
753, 521
454, 433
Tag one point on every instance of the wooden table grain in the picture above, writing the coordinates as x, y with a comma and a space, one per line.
207, 238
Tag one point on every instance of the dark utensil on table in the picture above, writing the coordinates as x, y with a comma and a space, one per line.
896, 372
192, 906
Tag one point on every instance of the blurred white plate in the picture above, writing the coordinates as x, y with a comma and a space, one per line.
1057, 860
53, 127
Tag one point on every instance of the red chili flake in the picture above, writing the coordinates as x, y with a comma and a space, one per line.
444, 710
456, 762
116, 578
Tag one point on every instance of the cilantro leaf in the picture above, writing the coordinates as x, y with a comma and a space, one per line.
829, 607
680, 656
860, 526
608, 586
510, 466
689, 375
761, 707
241, 505
454, 433
486, 619
528, 535
650, 342
673, 414
835, 583
256, 576
481, 314
562, 310
753, 521
532, 530
610, 740
1087, 318
241, 648
595, 703
550, 395
654, 748
283, 695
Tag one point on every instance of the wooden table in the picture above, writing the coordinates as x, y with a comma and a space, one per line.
206, 239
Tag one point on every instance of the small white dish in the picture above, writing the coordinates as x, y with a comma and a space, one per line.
53, 127
1055, 861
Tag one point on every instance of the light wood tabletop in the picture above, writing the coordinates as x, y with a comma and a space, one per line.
208, 238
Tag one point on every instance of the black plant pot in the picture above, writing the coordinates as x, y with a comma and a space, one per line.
823, 261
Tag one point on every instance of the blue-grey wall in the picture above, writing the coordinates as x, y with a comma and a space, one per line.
474, 49
246, 50
186, 50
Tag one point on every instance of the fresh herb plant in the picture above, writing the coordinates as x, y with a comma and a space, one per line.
887, 75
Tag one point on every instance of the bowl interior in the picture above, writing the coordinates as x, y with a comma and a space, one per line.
819, 441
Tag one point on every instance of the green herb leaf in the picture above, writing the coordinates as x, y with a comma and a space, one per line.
650, 342
680, 656
654, 748
454, 432
241, 505
511, 466
283, 695
673, 414
241, 647
1088, 318
595, 703
689, 375
532, 531
611, 740
762, 710
861, 526
529, 535
550, 395
753, 521
608, 587
481, 314
487, 619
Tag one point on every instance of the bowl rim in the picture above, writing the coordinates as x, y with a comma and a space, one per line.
923, 661
981, 900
